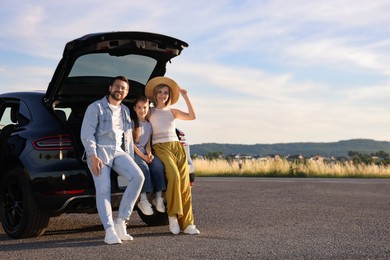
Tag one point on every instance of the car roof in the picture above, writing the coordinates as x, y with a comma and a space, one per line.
23, 94
34, 103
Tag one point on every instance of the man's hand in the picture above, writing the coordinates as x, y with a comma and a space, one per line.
96, 165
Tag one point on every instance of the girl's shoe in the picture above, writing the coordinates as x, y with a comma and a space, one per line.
145, 207
159, 204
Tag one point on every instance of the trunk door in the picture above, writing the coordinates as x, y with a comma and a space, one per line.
90, 62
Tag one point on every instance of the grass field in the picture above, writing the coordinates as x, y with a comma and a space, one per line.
282, 168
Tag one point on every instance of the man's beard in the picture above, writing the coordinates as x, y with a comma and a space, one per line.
112, 94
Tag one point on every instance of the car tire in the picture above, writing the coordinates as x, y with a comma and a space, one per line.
157, 219
20, 215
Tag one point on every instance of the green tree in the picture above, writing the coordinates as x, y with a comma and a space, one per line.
213, 155
381, 154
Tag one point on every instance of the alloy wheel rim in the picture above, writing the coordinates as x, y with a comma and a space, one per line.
12, 204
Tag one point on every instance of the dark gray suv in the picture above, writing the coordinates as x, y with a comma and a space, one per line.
42, 171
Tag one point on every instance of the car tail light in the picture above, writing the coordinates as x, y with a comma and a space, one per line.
180, 135
56, 142
64, 192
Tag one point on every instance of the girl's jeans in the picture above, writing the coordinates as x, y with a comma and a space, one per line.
154, 174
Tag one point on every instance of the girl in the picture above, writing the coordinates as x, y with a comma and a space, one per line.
163, 92
150, 165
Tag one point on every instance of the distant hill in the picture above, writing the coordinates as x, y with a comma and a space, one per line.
340, 148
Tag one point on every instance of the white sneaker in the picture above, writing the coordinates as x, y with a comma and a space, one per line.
112, 237
191, 230
159, 204
174, 225
145, 207
121, 231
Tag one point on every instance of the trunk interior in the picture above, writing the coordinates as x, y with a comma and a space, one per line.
70, 107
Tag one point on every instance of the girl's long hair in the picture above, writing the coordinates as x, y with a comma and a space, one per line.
136, 121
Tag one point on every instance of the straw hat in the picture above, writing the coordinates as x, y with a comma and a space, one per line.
154, 82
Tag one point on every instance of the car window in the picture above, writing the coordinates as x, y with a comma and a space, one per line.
63, 113
135, 67
9, 113
6, 118
14, 112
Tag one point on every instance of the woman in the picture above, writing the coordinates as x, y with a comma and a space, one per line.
164, 92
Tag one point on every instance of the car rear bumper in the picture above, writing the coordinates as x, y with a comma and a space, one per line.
71, 191
56, 205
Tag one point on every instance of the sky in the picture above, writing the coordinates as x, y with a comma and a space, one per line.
257, 71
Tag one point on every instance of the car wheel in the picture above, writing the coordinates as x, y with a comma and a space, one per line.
157, 219
20, 215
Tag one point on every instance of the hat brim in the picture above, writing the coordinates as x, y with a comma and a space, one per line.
154, 82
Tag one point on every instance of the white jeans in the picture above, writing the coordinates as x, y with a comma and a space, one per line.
125, 166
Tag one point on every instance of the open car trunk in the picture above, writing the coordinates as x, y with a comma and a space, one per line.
90, 63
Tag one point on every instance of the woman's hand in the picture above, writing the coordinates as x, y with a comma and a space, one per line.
178, 114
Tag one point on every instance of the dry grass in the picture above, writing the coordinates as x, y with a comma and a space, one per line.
282, 168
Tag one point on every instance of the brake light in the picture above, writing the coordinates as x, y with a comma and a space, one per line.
64, 192
180, 135
57, 142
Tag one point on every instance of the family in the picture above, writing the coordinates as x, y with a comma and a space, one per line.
145, 150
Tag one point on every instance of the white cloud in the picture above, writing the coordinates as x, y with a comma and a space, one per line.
249, 65
334, 53
276, 108
24, 78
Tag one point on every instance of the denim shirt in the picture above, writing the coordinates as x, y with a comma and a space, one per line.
97, 133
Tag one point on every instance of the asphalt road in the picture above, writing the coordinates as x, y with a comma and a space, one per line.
239, 218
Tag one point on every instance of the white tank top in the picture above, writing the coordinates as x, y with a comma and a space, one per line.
163, 124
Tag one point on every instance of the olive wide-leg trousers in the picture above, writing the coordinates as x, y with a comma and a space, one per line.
178, 192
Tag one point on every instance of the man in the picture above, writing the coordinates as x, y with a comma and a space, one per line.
106, 133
